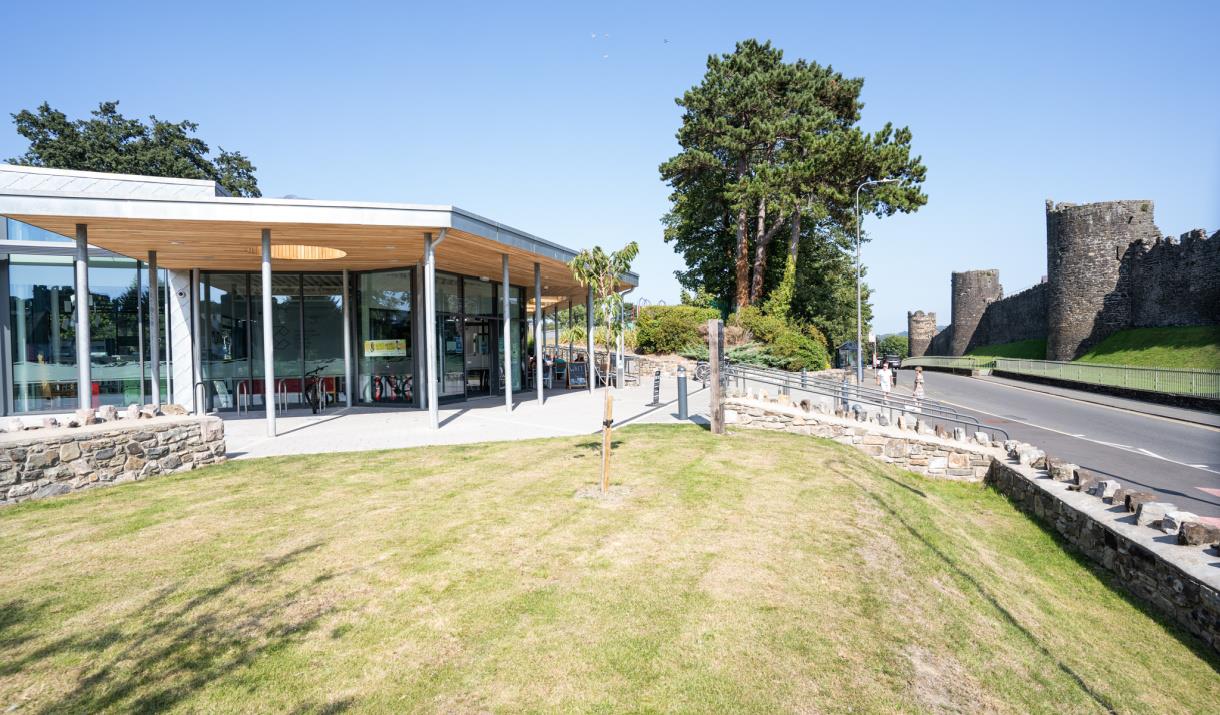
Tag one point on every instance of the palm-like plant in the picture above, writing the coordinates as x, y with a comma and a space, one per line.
602, 272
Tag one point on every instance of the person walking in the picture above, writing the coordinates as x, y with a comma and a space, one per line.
918, 391
884, 378
894, 377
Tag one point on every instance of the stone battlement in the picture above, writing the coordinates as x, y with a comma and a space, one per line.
1108, 269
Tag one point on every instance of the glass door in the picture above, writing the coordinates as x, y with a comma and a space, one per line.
452, 357
385, 344
322, 333
479, 364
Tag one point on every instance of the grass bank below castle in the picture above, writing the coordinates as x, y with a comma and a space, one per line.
1189, 347
1181, 347
750, 573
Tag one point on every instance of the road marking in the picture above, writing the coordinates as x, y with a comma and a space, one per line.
1209, 490
1123, 447
1200, 425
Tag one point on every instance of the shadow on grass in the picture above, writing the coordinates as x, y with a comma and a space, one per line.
597, 446
1186, 639
952, 565
168, 650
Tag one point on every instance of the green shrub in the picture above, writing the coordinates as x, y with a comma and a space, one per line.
762, 327
778, 343
799, 352
670, 328
601, 335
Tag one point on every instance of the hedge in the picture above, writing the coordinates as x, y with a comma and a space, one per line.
670, 328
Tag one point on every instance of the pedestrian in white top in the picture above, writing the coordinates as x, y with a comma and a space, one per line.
884, 377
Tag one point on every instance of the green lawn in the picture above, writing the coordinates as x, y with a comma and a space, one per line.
1028, 349
757, 572
1189, 347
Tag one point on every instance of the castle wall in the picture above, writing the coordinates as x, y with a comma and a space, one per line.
973, 291
1108, 269
1089, 283
941, 342
921, 327
1020, 316
1175, 282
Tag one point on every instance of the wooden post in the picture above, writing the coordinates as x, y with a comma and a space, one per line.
606, 422
715, 354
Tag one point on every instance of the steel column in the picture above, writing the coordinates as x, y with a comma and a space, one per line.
84, 377
348, 383
538, 339
198, 389
507, 329
589, 338
430, 350
268, 337
154, 326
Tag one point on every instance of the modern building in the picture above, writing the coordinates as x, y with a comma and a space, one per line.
222, 303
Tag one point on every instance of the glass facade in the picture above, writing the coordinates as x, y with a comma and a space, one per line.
41, 361
384, 338
307, 335
42, 330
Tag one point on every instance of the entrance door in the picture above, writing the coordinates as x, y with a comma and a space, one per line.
479, 365
452, 357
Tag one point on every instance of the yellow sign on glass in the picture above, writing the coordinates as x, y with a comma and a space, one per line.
385, 348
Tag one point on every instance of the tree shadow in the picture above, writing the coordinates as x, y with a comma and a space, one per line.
1186, 639
171, 650
597, 446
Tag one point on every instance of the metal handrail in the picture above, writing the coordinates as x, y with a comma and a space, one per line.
874, 393
243, 384
281, 395
1164, 380
845, 394
962, 362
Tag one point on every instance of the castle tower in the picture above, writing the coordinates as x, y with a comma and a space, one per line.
921, 327
1088, 291
973, 291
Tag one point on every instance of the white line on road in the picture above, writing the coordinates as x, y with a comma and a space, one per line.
1123, 447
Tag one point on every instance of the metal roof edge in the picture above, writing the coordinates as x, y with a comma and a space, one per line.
80, 173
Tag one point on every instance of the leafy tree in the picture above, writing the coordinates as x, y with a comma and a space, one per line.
601, 271
768, 144
893, 345
113, 143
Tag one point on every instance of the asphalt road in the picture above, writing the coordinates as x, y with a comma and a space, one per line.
1178, 459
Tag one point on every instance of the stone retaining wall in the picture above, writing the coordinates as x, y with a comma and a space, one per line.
1172, 566
40, 463
1161, 554
901, 445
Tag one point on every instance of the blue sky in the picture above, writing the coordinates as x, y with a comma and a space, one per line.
553, 118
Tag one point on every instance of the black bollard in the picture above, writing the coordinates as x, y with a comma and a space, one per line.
681, 392
656, 388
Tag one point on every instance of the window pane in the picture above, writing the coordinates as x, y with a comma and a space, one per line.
114, 327
42, 318
384, 339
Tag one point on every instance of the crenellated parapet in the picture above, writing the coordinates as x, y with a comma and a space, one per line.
921, 328
1108, 269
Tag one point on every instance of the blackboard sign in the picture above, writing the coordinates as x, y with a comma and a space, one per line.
578, 374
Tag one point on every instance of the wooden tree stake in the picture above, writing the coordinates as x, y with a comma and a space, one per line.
606, 422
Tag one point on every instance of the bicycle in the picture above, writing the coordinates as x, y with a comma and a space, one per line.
314, 395
703, 371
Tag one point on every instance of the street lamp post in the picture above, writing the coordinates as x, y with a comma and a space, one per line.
859, 309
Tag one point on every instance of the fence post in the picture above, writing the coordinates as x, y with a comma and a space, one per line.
715, 353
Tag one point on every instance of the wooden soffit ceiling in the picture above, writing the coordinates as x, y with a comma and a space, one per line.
237, 246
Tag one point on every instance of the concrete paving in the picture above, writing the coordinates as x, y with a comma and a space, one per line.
566, 413
1176, 458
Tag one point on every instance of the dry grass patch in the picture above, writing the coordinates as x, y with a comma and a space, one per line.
751, 573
